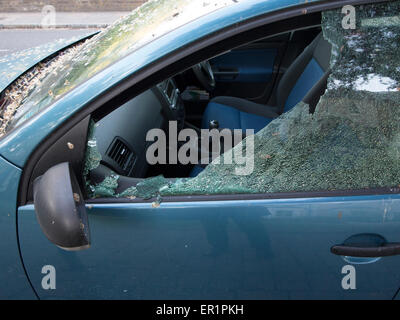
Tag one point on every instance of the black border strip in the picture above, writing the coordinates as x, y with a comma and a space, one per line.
170, 65
254, 196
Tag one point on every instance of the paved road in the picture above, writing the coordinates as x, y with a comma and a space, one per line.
20, 39
61, 19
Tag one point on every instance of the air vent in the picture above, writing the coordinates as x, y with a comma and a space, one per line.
121, 154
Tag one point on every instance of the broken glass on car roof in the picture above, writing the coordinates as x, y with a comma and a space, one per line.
148, 22
351, 141
15, 96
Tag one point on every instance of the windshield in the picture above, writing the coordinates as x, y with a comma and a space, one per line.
47, 83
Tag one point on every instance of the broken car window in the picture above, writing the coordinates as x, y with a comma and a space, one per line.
351, 141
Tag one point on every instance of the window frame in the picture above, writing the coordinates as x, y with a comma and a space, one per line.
296, 17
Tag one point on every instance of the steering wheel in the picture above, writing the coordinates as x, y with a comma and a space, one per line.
205, 75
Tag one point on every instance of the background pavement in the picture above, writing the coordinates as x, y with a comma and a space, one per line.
69, 5
12, 41
23, 30
21, 20
71, 20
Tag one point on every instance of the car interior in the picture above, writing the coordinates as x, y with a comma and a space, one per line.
243, 88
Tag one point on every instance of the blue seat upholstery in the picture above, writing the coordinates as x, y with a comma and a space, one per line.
232, 118
195, 171
310, 76
300, 78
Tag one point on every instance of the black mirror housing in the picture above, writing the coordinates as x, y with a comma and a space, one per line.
60, 208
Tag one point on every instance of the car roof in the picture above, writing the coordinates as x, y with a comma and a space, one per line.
14, 65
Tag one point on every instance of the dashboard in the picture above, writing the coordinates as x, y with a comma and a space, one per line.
121, 135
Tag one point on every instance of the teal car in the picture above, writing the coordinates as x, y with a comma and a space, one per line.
219, 149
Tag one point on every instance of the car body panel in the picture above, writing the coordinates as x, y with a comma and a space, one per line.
14, 283
14, 65
191, 250
255, 249
16, 148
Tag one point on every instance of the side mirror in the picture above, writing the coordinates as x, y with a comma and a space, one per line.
60, 208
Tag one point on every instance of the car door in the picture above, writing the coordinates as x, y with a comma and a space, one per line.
220, 249
14, 283
332, 244
248, 71
252, 71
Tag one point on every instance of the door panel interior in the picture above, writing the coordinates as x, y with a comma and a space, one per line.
249, 71
253, 71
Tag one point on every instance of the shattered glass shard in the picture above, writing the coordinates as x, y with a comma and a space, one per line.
148, 188
367, 58
131, 192
106, 188
92, 155
92, 161
16, 95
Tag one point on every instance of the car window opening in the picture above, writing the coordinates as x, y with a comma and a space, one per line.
349, 139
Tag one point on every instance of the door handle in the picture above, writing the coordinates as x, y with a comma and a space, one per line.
366, 245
